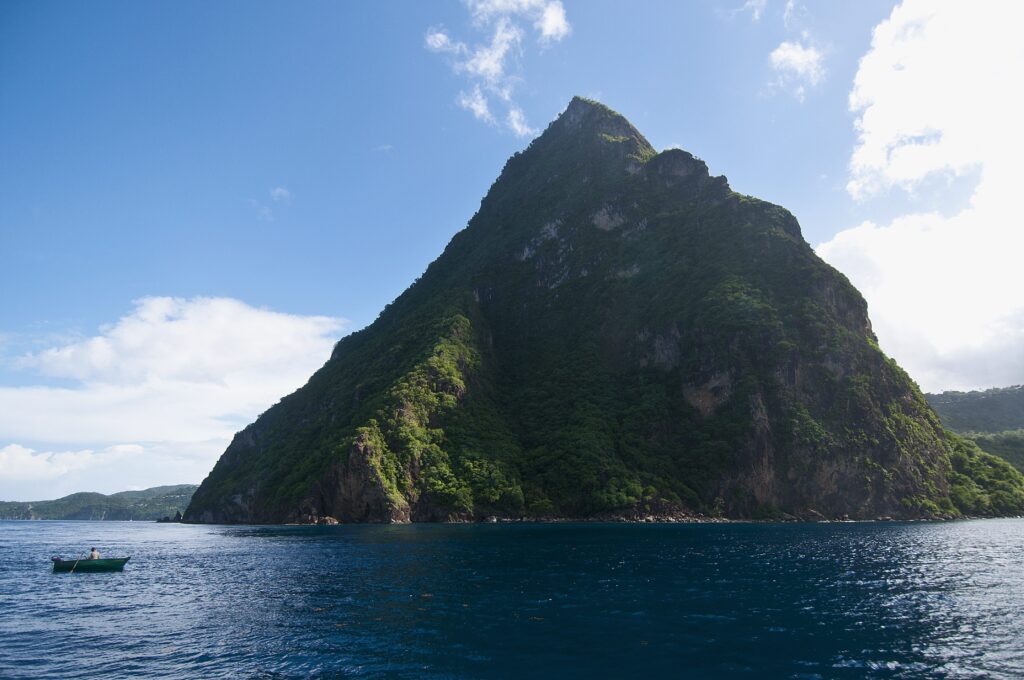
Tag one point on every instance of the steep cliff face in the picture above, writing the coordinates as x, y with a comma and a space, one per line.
615, 330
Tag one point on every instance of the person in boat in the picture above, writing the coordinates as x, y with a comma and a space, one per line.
94, 554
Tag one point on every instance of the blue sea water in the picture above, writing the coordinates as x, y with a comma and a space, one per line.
875, 600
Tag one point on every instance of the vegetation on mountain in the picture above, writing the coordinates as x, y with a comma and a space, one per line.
615, 332
1008, 445
993, 419
147, 504
982, 484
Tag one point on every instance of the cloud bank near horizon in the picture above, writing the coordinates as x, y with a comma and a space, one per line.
153, 397
944, 290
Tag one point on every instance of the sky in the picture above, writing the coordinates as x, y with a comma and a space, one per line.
197, 200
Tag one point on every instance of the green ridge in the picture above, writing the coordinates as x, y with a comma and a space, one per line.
147, 504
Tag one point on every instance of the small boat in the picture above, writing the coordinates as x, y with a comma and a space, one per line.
115, 564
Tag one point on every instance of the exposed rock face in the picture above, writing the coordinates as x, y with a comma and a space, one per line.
616, 333
354, 489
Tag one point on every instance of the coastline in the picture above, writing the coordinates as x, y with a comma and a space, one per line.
696, 519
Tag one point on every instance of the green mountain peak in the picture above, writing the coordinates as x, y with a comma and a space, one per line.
589, 117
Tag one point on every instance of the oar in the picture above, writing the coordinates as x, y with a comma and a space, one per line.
76, 564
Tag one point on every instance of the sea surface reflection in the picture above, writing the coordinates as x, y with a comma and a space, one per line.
878, 600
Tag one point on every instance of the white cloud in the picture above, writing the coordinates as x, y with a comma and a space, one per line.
492, 67
438, 41
29, 475
175, 377
191, 340
935, 97
755, 7
937, 92
476, 102
517, 121
488, 63
552, 23
21, 464
789, 13
799, 66
485, 11
263, 212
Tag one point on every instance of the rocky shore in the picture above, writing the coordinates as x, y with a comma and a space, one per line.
655, 512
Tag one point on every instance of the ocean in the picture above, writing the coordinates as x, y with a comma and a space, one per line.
840, 600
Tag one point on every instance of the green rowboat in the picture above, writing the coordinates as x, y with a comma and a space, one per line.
116, 564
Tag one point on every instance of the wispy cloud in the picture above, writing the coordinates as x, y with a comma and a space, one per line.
475, 102
491, 67
789, 14
263, 212
160, 390
278, 194
517, 122
754, 7
798, 66
944, 290
438, 41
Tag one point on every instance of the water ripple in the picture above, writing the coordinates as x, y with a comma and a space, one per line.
913, 600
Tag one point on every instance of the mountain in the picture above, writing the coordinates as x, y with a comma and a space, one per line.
993, 419
615, 333
148, 504
994, 410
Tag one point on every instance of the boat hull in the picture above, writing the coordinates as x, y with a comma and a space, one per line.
116, 564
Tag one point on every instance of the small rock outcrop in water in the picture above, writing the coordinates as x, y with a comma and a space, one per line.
616, 333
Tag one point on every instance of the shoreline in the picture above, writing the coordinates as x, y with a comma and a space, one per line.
623, 520
650, 519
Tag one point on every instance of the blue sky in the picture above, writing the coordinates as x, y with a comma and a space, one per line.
138, 136
284, 170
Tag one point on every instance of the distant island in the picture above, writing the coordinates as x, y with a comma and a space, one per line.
145, 505
993, 419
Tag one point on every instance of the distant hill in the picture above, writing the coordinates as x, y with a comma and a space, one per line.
995, 410
993, 418
147, 504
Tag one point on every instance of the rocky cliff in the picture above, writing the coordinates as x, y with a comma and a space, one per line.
615, 332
